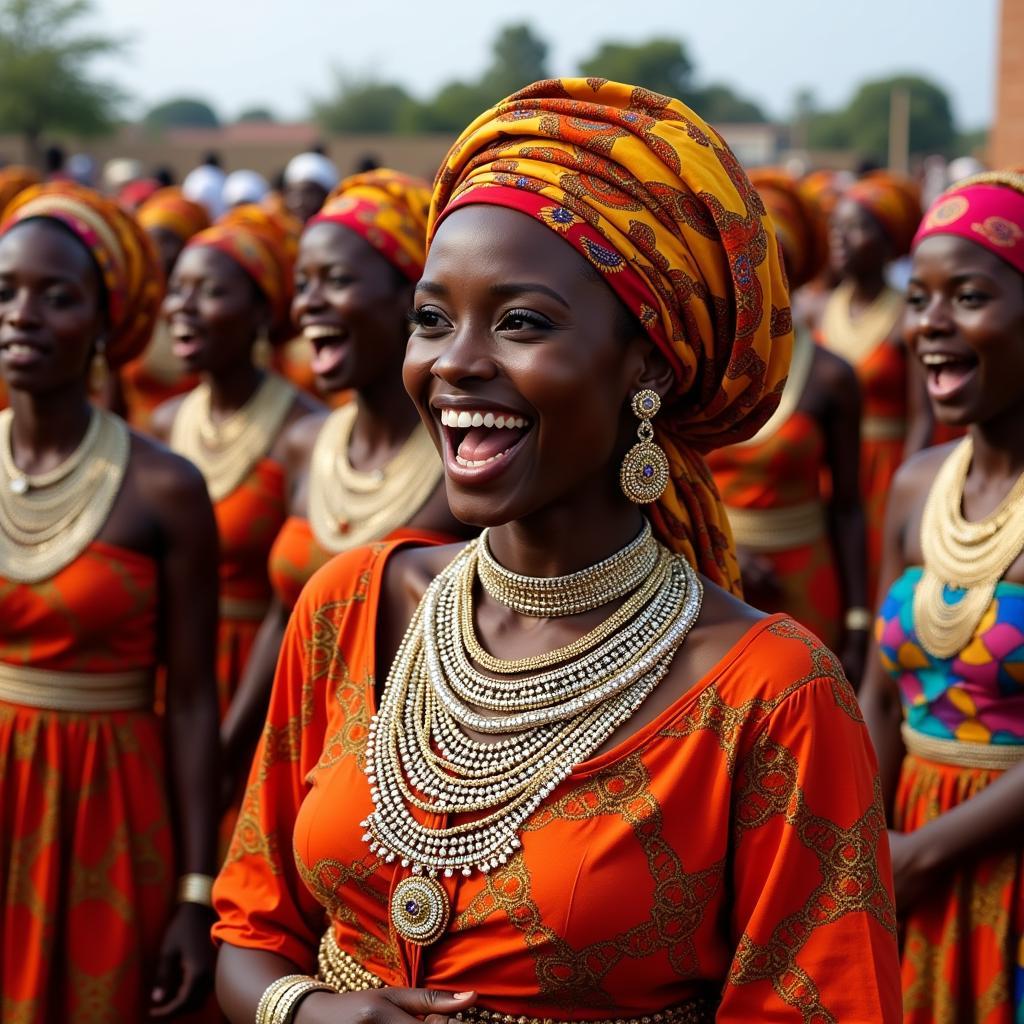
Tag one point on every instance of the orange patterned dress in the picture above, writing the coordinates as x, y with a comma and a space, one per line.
745, 822
86, 852
781, 475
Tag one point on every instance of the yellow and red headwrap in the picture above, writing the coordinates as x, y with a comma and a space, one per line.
126, 258
655, 200
799, 224
389, 210
171, 210
894, 201
823, 187
14, 179
263, 248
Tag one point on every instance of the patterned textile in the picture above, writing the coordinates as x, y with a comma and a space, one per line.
171, 210
86, 850
822, 187
962, 945
653, 198
388, 209
262, 246
894, 202
14, 179
126, 258
745, 822
800, 224
987, 210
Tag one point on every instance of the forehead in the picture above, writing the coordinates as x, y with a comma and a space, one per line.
44, 247
849, 212
207, 262
945, 256
327, 241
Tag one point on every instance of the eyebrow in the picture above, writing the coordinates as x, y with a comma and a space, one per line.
956, 279
508, 288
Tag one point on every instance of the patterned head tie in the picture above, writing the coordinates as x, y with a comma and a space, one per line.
894, 202
800, 224
655, 200
14, 179
170, 209
126, 258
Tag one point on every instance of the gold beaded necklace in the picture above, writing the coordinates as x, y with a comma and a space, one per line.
961, 555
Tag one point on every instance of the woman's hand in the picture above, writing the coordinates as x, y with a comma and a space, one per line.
915, 866
853, 655
184, 974
384, 1006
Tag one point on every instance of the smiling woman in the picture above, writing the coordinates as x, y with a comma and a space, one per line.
490, 744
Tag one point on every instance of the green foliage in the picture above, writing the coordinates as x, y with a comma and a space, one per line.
365, 107
718, 104
661, 65
518, 57
256, 114
971, 143
454, 106
182, 112
44, 84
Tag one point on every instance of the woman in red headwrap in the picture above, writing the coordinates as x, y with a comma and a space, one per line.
800, 553
232, 285
873, 223
501, 769
368, 470
156, 376
944, 692
107, 547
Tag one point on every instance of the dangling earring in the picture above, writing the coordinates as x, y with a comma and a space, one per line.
262, 350
99, 368
644, 473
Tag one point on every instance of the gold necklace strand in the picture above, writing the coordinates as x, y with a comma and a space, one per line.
967, 556
575, 593
47, 527
348, 507
226, 454
855, 340
418, 756
21, 483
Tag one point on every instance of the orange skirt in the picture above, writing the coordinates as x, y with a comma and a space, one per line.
960, 946
87, 863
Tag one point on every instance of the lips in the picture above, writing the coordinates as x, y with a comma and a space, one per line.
20, 353
330, 347
480, 442
947, 373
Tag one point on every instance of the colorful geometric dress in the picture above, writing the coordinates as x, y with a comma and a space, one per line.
744, 822
86, 851
964, 725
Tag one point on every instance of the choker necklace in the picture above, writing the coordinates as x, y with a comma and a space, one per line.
48, 519
575, 593
348, 507
226, 453
420, 757
970, 558
855, 340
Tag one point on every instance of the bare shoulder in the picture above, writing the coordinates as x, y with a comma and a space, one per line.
410, 570
162, 420
164, 476
303, 407
833, 371
918, 472
301, 433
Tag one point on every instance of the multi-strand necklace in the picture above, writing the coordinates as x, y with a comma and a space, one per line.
552, 712
48, 519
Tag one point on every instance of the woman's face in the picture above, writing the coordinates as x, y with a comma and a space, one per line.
520, 367
214, 310
51, 307
352, 306
303, 199
857, 243
965, 323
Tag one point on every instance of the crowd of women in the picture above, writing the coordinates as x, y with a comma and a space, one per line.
379, 551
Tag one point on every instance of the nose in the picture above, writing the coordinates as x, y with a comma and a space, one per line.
181, 299
308, 299
467, 355
21, 310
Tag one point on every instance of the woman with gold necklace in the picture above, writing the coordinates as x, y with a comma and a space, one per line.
561, 771
232, 285
943, 696
369, 470
107, 547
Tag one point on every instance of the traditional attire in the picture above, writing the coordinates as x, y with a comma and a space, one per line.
769, 897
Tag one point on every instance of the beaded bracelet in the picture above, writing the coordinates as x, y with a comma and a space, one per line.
279, 1002
196, 888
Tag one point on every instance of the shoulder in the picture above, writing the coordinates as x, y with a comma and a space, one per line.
303, 406
833, 371
302, 431
916, 475
162, 420
164, 476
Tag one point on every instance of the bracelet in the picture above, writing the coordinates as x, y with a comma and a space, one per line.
279, 1002
196, 888
859, 620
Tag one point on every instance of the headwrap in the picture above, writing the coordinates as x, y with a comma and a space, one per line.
894, 202
14, 179
799, 222
126, 258
824, 187
655, 200
259, 244
244, 187
314, 167
388, 209
170, 210
987, 209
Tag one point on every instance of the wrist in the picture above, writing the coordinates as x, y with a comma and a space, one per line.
196, 887
858, 621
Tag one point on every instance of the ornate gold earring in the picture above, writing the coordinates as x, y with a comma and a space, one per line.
644, 473
99, 368
263, 350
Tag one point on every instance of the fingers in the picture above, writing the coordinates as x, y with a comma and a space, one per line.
192, 990
168, 974
428, 1002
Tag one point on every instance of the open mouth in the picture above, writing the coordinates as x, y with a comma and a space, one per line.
479, 438
947, 372
17, 353
329, 347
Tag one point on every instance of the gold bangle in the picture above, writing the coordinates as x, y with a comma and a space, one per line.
196, 888
279, 1002
859, 620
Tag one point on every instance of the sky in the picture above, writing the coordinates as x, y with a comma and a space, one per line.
283, 53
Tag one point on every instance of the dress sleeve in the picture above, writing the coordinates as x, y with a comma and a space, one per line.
813, 917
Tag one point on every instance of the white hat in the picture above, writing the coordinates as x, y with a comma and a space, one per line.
313, 167
244, 187
204, 184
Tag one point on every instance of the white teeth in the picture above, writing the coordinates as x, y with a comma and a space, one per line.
19, 350
937, 359
315, 331
499, 421
473, 463
489, 419
478, 420
465, 420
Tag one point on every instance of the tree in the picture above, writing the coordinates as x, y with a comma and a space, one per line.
518, 58
256, 114
182, 112
368, 107
661, 65
454, 106
44, 80
718, 104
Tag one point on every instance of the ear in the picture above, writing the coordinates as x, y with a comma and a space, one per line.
653, 371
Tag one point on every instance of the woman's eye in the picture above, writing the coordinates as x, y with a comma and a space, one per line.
425, 318
60, 299
523, 320
340, 280
915, 300
300, 285
972, 299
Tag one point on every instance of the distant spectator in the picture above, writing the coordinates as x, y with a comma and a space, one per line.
82, 168
205, 185
367, 162
211, 158
244, 187
135, 193
307, 180
165, 175
53, 163
119, 172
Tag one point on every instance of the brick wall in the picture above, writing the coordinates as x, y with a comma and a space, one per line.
1007, 144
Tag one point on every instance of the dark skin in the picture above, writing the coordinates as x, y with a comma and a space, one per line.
303, 199
965, 302
511, 318
344, 286
859, 252
216, 314
51, 302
